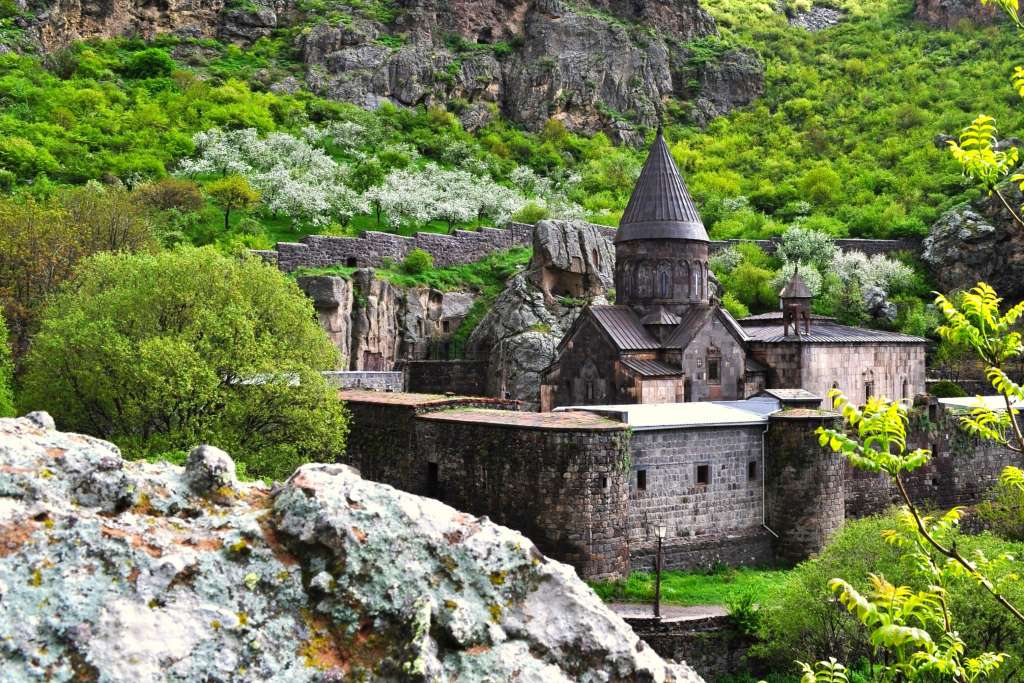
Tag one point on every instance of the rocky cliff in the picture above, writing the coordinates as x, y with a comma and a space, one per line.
595, 64
573, 264
374, 324
126, 572
949, 13
979, 241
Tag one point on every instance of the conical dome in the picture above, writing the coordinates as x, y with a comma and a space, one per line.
796, 288
660, 206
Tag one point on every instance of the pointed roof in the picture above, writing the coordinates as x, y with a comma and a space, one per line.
796, 288
660, 206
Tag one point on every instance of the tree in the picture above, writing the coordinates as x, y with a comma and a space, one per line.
109, 217
6, 373
159, 352
232, 192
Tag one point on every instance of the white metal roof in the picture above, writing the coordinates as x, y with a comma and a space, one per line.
641, 416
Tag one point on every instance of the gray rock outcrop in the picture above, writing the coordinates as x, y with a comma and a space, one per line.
573, 264
948, 13
732, 81
976, 242
817, 18
373, 323
329, 578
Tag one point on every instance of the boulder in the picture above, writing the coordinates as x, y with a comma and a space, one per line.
948, 13
209, 470
979, 241
328, 578
571, 258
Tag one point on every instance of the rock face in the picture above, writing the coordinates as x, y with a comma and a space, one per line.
817, 18
595, 65
119, 572
373, 323
979, 242
948, 13
573, 263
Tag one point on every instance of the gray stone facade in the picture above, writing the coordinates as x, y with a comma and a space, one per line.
713, 515
374, 381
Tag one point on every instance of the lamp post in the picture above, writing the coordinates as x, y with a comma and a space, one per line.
659, 531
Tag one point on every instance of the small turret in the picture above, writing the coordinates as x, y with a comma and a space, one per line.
795, 299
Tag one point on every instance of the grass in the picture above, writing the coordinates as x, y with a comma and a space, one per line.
693, 588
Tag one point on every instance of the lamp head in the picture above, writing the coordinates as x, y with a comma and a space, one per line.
660, 530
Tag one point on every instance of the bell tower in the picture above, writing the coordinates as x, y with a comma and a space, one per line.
795, 300
661, 247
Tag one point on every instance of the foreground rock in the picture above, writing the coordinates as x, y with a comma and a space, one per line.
949, 14
976, 242
127, 572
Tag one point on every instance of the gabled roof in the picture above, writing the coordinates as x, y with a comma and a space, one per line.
651, 368
692, 323
660, 206
623, 328
828, 332
660, 316
796, 288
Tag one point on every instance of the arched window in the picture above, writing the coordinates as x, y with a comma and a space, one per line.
665, 280
695, 282
684, 277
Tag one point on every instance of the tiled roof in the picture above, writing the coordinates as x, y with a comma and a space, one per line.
651, 368
660, 206
828, 332
624, 328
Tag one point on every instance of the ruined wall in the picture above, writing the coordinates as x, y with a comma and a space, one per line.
719, 521
803, 484
438, 376
464, 246
565, 490
962, 468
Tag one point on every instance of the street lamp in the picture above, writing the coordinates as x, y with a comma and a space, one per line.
659, 531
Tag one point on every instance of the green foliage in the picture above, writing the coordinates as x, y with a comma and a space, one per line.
531, 213
162, 352
232, 193
6, 373
1002, 511
946, 389
417, 262
149, 63
735, 307
977, 154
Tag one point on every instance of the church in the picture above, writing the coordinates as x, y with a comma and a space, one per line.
667, 339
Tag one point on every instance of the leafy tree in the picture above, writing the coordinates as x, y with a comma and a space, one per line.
159, 352
149, 63
232, 193
6, 373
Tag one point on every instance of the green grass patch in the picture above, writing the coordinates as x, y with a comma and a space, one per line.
693, 588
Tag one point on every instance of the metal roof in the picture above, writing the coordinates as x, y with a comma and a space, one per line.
648, 416
796, 288
624, 328
660, 206
775, 315
660, 316
753, 366
997, 403
828, 332
693, 321
651, 368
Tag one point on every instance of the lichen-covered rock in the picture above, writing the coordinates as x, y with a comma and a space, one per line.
948, 13
571, 258
332, 578
976, 242
208, 470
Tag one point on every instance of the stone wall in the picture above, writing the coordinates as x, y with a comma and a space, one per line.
719, 521
375, 381
962, 468
803, 484
465, 246
712, 645
439, 376
566, 490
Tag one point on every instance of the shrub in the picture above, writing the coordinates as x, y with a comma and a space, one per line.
172, 193
734, 306
531, 213
149, 63
1003, 511
417, 261
161, 352
945, 388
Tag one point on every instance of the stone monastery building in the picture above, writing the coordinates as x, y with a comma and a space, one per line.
663, 410
667, 339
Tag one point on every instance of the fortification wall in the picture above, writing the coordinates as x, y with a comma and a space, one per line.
364, 379
708, 523
466, 246
961, 470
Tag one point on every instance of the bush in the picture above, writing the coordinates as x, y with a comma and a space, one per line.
149, 63
734, 306
531, 213
417, 261
945, 388
172, 193
801, 621
1003, 511
162, 352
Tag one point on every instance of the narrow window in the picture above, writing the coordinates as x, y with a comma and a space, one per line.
351, 262
752, 470
703, 475
869, 391
665, 284
445, 326
604, 482
906, 389
641, 480
713, 376
590, 390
